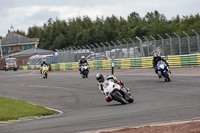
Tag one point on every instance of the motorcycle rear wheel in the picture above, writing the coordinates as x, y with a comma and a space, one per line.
85, 74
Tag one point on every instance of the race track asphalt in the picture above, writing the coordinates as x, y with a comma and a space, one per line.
83, 105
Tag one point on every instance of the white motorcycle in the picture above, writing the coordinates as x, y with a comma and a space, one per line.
117, 92
84, 70
45, 69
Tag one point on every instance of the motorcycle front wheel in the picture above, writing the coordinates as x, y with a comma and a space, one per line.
118, 97
167, 77
131, 99
85, 74
46, 75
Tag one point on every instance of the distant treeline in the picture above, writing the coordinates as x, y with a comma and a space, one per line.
81, 31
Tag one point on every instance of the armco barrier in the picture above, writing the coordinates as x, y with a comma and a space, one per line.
32, 67
57, 67
97, 64
68, 66
106, 64
91, 64
174, 61
53, 68
63, 66
24, 67
75, 66
136, 63
198, 59
125, 63
117, 64
146, 62
190, 60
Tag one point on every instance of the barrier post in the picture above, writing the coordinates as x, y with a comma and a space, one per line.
113, 64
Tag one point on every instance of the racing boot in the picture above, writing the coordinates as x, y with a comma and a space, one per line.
108, 98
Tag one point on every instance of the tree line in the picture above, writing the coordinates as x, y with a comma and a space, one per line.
81, 31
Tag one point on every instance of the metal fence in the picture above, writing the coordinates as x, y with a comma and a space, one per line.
127, 48
133, 49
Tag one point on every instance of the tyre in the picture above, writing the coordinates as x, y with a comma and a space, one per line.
131, 99
166, 76
45, 75
85, 74
118, 97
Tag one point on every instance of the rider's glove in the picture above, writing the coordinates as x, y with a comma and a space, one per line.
170, 72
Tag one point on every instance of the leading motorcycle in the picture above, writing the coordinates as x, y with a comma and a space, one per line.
117, 92
163, 71
45, 69
84, 70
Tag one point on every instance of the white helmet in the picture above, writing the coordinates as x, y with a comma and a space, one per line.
82, 57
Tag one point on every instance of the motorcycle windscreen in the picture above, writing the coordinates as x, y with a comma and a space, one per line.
109, 87
161, 67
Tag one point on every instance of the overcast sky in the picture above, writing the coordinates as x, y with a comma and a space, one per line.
22, 14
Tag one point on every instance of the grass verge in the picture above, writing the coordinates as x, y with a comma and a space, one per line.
11, 109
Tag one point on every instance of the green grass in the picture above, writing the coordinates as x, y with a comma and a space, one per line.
11, 109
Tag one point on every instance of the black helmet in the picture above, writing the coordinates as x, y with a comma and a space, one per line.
100, 77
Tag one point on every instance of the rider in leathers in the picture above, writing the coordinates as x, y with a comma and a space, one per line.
156, 59
43, 63
100, 83
81, 62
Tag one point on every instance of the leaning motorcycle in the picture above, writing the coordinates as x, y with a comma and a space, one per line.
84, 70
117, 92
163, 71
45, 69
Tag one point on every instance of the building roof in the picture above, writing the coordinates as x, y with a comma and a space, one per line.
32, 51
15, 38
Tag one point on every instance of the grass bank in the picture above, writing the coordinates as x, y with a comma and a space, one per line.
11, 109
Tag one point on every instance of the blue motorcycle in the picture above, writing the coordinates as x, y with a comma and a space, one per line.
163, 71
